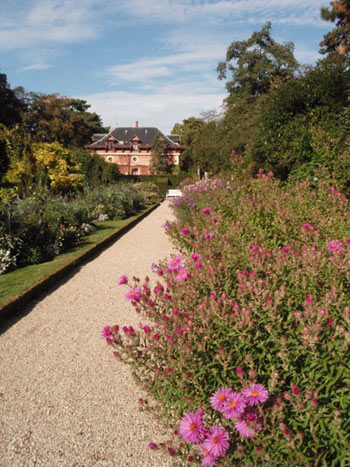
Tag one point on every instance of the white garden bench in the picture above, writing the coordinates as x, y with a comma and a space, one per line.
173, 193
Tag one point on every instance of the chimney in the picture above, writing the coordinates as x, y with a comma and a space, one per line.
136, 124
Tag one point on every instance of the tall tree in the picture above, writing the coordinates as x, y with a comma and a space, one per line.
51, 118
159, 163
256, 64
11, 109
187, 131
10, 106
337, 40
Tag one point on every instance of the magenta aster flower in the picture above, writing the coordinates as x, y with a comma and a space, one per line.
245, 428
195, 256
234, 406
185, 231
122, 280
106, 332
255, 394
335, 246
217, 441
133, 294
181, 275
175, 263
192, 427
220, 397
206, 211
207, 458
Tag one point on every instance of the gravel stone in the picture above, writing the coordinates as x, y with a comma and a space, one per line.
65, 400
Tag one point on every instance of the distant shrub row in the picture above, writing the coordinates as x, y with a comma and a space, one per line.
39, 227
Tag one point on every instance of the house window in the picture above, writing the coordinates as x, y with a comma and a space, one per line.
135, 159
135, 171
110, 159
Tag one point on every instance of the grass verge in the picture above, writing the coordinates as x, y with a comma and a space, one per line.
19, 287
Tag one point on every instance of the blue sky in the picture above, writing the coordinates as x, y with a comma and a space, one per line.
152, 61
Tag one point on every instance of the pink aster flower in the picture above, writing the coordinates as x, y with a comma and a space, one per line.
206, 211
207, 458
195, 257
106, 332
255, 394
122, 280
217, 441
245, 428
220, 397
175, 263
185, 231
335, 246
133, 294
181, 275
192, 427
234, 406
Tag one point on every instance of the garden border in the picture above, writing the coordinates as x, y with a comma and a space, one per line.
11, 308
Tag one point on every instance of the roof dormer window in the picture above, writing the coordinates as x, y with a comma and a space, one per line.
111, 142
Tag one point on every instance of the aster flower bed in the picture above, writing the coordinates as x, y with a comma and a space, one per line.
245, 339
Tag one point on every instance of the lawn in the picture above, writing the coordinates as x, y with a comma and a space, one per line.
28, 281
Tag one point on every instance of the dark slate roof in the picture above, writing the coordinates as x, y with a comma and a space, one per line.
97, 136
175, 138
124, 135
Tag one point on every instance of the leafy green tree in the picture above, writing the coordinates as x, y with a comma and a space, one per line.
159, 163
20, 170
11, 109
338, 40
51, 118
256, 64
187, 131
205, 149
56, 167
95, 170
293, 114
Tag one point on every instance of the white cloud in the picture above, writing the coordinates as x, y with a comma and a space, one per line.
162, 109
36, 66
177, 11
148, 68
47, 21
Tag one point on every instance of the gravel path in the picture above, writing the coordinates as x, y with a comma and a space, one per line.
64, 399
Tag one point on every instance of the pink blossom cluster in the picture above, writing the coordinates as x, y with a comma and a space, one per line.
214, 441
175, 266
335, 247
239, 406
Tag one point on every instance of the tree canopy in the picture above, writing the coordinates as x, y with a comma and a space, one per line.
11, 107
187, 131
50, 118
159, 163
337, 40
252, 66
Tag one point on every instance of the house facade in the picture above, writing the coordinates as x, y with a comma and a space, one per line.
131, 148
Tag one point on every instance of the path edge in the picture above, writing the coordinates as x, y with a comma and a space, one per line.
16, 305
